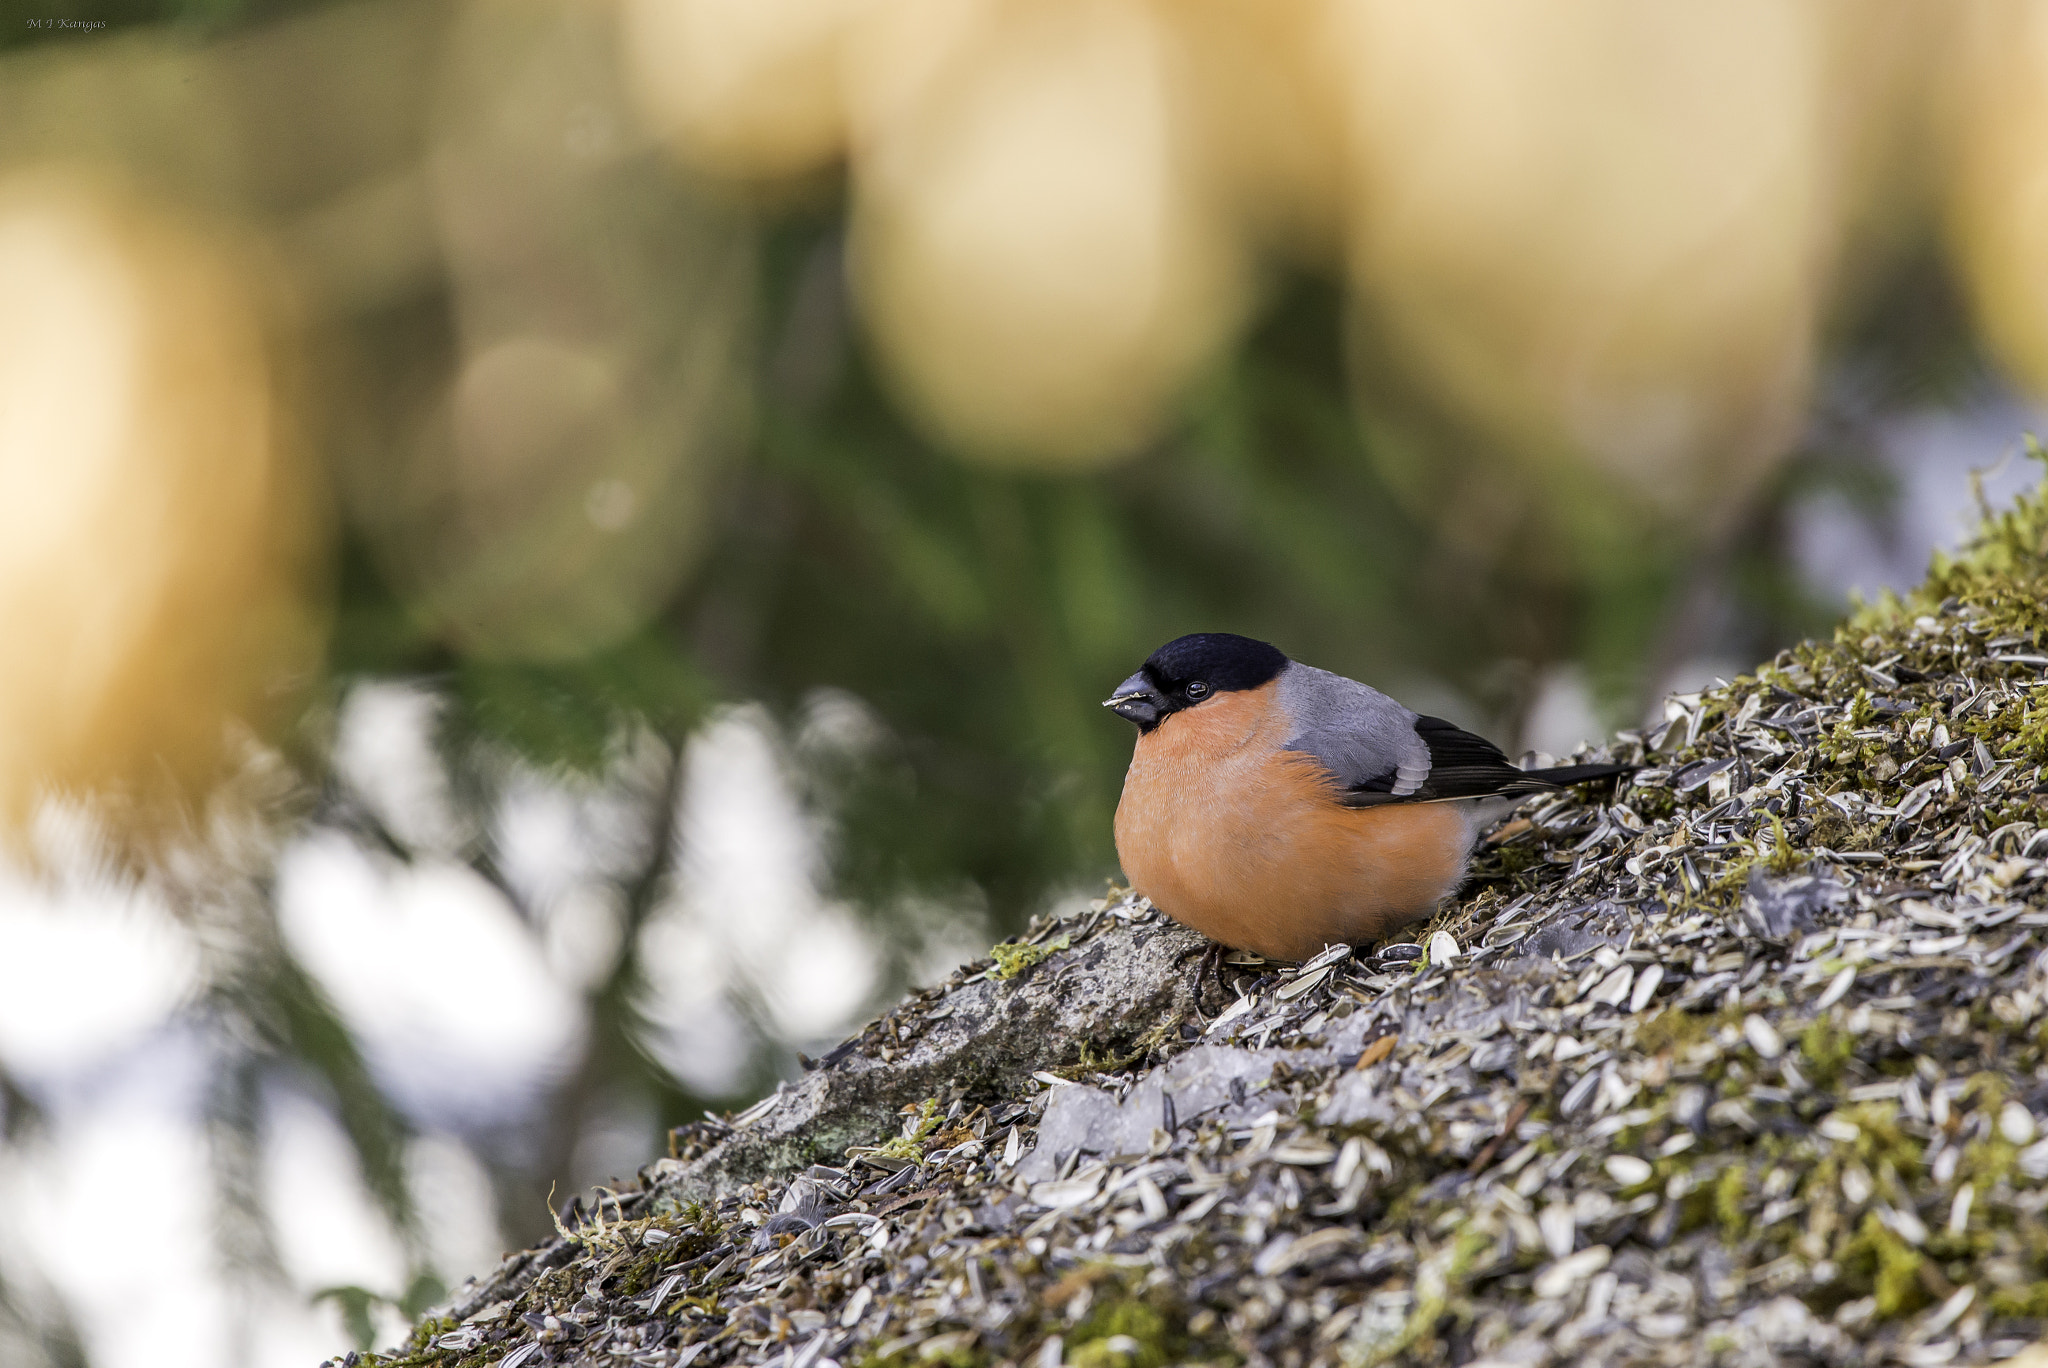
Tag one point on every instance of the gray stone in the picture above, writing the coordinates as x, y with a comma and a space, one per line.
1205, 1080
987, 1035
1781, 908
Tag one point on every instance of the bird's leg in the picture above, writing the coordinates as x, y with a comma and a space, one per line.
1209, 967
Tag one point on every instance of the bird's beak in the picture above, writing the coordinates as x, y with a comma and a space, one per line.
1137, 701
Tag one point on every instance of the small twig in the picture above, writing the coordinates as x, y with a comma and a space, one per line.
1485, 1156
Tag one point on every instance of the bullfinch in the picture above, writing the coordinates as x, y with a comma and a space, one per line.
1280, 808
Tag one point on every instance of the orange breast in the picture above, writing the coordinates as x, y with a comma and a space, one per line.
1244, 841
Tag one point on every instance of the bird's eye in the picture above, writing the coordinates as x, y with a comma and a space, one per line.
1198, 690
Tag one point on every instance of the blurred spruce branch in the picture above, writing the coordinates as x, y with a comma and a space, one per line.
34, 1330
612, 1060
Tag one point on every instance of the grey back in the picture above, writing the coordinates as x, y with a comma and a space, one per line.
1358, 733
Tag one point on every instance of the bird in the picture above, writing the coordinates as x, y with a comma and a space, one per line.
1281, 809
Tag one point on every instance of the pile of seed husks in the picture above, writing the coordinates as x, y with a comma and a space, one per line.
1741, 1063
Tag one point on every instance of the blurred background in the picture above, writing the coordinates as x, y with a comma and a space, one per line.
555, 553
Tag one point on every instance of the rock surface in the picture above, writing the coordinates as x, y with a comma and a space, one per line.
981, 1034
1742, 1063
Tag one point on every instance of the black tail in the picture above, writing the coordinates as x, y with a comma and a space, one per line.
1565, 775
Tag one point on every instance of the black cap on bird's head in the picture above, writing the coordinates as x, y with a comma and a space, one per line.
1190, 669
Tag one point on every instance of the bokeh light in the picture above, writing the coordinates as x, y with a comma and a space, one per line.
556, 494
1599, 235
751, 88
1999, 210
1032, 242
154, 576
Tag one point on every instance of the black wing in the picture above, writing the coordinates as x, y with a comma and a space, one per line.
1462, 765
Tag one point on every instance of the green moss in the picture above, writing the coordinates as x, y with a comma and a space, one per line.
1732, 877
909, 1146
1653, 805
1876, 1260
1836, 832
1986, 1091
1729, 1190
940, 1351
1989, 1162
419, 1351
1960, 1252
2000, 574
1113, 1061
1884, 1149
2029, 740
1674, 1028
2029, 1301
1440, 1288
1106, 1337
1784, 858
1128, 1324
1014, 957
1827, 1050
427, 1331
960, 1354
